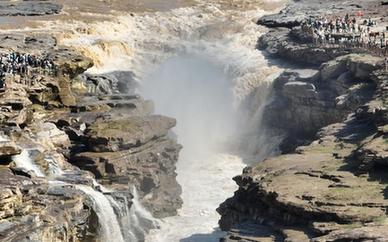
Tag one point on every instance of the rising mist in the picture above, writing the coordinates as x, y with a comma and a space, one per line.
199, 95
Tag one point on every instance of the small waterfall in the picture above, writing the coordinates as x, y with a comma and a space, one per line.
135, 220
24, 161
141, 221
54, 168
110, 228
3, 138
135, 217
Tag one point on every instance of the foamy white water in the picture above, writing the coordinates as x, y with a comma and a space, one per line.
136, 221
142, 42
109, 225
24, 160
206, 183
198, 64
198, 93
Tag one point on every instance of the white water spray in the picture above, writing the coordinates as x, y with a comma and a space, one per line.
197, 92
202, 96
24, 161
135, 220
110, 228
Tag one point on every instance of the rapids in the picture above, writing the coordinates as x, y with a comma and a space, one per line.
199, 65
198, 94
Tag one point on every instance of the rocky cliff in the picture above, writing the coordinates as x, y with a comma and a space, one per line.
62, 131
329, 184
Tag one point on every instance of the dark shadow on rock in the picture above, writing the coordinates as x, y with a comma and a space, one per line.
379, 174
355, 130
212, 237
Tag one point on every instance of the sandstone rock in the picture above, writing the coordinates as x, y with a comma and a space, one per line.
35, 212
8, 148
332, 69
375, 233
278, 43
10, 201
334, 203
49, 135
361, 66
252, 233
340, 85
327, 194
113, 137
65, 93
305, 105
28, 8
374, 152
122, 134
316, 193
292, 235
150, 167
297, 11
69, 62
110, 83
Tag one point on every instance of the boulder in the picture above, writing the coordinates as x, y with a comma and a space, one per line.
106, 84
50, 136
115, 135
8, 148
69, 62
332, 69
361, 66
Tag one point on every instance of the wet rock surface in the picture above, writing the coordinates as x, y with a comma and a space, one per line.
329, 184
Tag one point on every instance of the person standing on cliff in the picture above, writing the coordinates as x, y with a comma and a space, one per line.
386, 64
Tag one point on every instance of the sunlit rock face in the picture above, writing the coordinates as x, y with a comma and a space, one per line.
217, 105
227, 79
328, 185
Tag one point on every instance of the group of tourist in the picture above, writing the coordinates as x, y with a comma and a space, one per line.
25, 65
22, 64
347, 31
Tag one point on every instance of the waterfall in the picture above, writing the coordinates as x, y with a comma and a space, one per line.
227, 38
118, 222
109, 225
110, 229
24, 161
136, 220
53, 168
140, 220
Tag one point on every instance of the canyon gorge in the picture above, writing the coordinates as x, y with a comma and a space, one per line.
191, 121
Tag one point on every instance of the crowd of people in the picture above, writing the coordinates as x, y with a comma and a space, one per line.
24, 65
348, 31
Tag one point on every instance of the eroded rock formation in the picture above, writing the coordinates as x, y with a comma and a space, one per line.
62, 131
329, 185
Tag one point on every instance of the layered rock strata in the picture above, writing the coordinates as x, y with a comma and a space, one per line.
62, 131
331, 189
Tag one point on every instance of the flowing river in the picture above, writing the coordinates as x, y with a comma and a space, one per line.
199, 65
